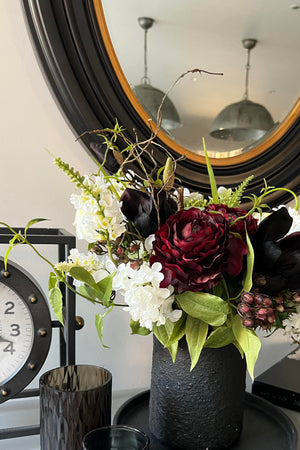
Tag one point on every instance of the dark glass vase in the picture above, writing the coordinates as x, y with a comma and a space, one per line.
73, 401
199, 409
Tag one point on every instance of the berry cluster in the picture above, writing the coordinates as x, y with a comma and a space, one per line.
261, 310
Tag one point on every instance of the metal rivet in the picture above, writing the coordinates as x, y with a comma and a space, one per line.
33, 299
42, 332
79, 322
4, 392
31, 366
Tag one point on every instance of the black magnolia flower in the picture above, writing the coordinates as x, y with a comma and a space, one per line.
139, 208
99, 149
277, 256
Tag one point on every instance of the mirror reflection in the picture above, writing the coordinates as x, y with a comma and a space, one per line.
208, 35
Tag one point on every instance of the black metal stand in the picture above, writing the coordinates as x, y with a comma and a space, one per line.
65, 242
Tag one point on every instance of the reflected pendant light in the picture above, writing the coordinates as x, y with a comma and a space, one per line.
244, 120
151, 97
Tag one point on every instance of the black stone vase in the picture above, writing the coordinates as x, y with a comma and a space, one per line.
200, 409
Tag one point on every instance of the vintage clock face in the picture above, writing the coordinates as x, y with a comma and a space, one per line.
25, 329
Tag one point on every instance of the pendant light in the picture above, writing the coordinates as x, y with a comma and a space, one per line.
244, 120
151, 97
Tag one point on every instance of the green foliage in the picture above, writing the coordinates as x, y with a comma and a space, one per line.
220, 337
178, 330
204, 306
236, 196
247, 279
248, 341
101, 290
137, 329
212, 180
55, 297
196, 332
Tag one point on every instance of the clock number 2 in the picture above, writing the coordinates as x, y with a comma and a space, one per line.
10, 307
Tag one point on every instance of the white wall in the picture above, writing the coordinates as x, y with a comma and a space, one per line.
32, 187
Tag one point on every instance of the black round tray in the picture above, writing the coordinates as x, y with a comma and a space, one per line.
265, 426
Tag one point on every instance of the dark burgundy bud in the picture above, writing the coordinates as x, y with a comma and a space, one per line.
260, 280
243, 309
248, 323
258, 299
261, 313
280, 308
279, 299
134, 248
134, 264
247, 298
271, 318
296, 297
267, 301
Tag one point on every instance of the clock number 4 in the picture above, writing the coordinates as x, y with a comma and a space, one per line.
9, 348
10, 307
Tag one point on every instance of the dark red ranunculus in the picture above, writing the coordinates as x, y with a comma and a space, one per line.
232, 214
195, 247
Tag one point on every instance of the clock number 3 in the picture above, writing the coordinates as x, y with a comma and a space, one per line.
15, 329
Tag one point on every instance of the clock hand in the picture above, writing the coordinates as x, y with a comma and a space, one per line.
4, 340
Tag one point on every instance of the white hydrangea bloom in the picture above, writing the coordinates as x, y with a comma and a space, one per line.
192, 196
292, 326
149, 243
146, 301
97, 265
94, 219
224, 192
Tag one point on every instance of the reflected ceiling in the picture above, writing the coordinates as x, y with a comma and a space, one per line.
208, 35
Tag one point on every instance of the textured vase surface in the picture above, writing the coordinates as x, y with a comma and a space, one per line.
200, 409
73, 401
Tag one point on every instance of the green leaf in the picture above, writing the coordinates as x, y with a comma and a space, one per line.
12, 244
104, 289
247, 280
248, 341
32, 222
178, 330
196, 332
201, 305
81, 274
55, 299
173, 350
99, 327
235, 342
161, 334
88, 292
220, 337
212, 180
52, 282
137, 329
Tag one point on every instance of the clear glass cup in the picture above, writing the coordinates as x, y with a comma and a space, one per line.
116, 437
73, 401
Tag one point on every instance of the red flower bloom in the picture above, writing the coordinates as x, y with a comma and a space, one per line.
231, 214
195, 247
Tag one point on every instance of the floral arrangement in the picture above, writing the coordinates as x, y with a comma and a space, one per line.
185, 265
